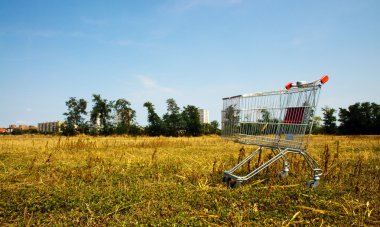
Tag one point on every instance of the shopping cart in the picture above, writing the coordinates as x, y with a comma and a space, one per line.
276, 121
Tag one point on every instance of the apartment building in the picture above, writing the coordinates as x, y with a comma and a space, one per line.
204, 116
53, 126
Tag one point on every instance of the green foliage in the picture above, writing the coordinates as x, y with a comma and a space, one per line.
106, 118
317, 127
175, 123
125, 116
360, 118
172, 119
329, 120
211, 128
74, 121
155, 126
230, 120
191, 119
265, 116
136, 130
17, 132
101, 115
117, 117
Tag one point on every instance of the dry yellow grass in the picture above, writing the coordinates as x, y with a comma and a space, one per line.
140, 180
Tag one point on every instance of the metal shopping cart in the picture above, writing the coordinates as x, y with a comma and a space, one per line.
278, 121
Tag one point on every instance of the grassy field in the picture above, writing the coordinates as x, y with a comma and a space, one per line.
126, 181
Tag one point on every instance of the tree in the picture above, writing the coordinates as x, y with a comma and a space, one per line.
360, 118
192, 122
125, 116
172, 119
215, 127
74, 121
329, 120
376, 118
317, 127
206, 128
101, 115
155, 126
265, 114
230, 120
211, 128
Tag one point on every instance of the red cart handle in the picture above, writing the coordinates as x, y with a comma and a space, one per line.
303, 84
324, 79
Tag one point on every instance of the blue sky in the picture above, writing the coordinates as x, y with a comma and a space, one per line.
194, 51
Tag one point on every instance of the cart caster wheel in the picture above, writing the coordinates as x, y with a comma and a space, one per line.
234, 184
312, 183
283, 174
226, 179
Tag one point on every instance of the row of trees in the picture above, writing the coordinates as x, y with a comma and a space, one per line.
357, 119
176, 122
117, 117
106, 117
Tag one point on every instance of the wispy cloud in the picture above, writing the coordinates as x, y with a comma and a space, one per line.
47, 33
131, 43
92, 21
296, 41
306, 39
190, 4
43, 33
151, 85
21, 122
29, 109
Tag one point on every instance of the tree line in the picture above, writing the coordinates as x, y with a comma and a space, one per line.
357, 119
117, 117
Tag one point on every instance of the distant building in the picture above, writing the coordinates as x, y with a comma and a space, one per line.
204, 116
23, 127
54, 126
3, 130
12, 128
32, 127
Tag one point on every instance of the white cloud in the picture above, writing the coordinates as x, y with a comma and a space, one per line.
29, 109
152, 86
20, 122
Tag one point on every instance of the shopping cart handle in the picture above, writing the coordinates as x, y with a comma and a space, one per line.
289, 85
303, 84
324, 79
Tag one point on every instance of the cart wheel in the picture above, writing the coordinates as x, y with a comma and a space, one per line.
283, 174
234, 184
226, 179
312, 183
